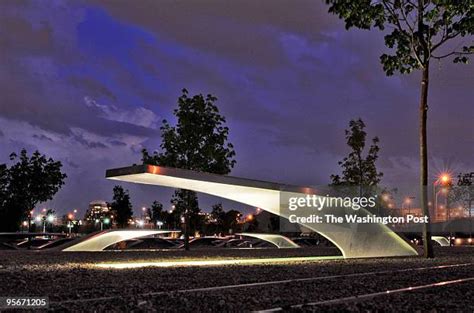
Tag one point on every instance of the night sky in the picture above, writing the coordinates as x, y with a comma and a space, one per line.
88, 83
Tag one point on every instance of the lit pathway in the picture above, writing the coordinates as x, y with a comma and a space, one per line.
371, 295
307, 279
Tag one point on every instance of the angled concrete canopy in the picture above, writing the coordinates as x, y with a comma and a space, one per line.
354, 241
104, 239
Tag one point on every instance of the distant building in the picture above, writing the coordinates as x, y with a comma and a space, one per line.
97, 210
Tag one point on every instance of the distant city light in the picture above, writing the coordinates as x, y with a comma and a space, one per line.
51, 218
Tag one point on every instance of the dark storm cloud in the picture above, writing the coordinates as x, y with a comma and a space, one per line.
89, 144
32, 84
310, 79
242, 31
98, 76
93, 87
19, 35
117, 143
42, 137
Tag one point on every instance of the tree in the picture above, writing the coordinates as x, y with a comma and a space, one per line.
231, 223
218, 215
274, 223
252, 224
48, 219
31, 180
463, 193
186, 211
3, 190
156, 212
121, 206
358, 170
197, 142
420, 31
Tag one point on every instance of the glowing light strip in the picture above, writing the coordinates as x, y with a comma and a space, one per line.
372, 295
265, 283
443, 241
275, 239
130, 265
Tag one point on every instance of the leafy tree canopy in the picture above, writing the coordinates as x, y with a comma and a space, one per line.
358, 170
199, 139
122, 206
31, 180
417, 29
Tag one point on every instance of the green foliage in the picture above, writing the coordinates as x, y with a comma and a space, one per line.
3, 185
421, 30
231, 221
358, 170
121, 206
225, 222
157, 213
199, 139
218, 215
186, 204
418, 29
29, 181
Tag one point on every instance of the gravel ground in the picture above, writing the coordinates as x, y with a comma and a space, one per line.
71, 280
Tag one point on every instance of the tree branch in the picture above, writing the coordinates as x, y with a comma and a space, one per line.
443, 40
397, 20
457, 53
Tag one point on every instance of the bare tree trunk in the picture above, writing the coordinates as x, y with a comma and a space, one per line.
186, 232
186, 220
427, 244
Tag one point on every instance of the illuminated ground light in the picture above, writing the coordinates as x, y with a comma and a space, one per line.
129, 265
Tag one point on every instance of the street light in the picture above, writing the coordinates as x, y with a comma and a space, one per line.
444, 179
407, 202
51, 218
159, 224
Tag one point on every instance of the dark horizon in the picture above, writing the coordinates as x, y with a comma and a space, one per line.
88, 83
